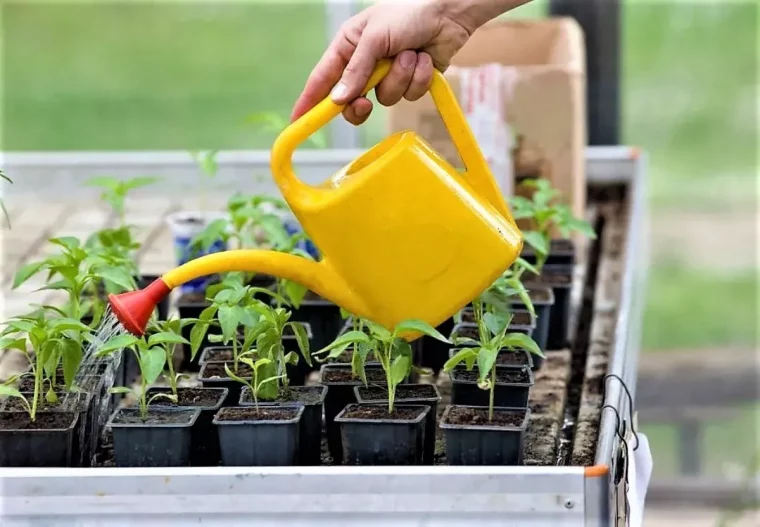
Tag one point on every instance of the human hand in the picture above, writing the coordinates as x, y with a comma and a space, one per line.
420, 34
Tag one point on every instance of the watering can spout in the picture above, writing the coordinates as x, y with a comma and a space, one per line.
133, 309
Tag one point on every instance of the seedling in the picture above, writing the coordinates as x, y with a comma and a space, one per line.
79, 270
487, 350
251, 223
389, 348
53, 341
259, 381
2, 203
169, 334
546, 214
115, 191
152, 354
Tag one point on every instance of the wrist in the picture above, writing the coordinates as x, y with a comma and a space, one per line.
472, 14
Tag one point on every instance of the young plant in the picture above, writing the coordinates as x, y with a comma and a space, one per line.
487, 350
79, 271
389, 348
168, 334
2, 203
546, 214
52, 341
115, 191
231, 307
152, 353
261, 378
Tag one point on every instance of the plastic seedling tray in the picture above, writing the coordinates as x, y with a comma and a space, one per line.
419, 495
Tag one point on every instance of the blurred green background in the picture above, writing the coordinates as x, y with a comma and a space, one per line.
121, 76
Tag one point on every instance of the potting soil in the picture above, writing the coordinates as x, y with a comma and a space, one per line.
479, 416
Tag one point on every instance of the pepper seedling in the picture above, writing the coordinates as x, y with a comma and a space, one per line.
152, 353
389, 348
115, 191
52, 341
259, 380
493, 339
546, 214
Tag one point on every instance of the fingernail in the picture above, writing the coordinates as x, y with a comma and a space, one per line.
408, 59
339, 92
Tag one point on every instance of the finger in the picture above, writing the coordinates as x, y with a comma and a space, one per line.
369, 50
423, 76
396, 83
326, 73
358, 111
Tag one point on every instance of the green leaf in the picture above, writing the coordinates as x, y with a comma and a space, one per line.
166, 338
522, 341
152, 364
295, 293
378, 331
67, 242
7, 343
496, 323
22, 326
71, 354
350, 337
358, 360
119, 390
420, 326
537, 241
229, 321
291, 358
486, 361
117, 277
302, 339
459, 357
64, 324
400, 369
118, 342
10, 391
26, 272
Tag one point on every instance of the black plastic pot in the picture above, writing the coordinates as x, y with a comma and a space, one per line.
380, 441
484, 443
560, 279
310, 436
212, 375
248, 440
49, 442
339, 395
510, 394
561, 252
433, 352
164, 439
542, 298
413, 394
324, 318
517, 359
204, 448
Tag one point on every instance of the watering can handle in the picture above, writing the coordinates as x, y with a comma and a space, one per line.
478, 171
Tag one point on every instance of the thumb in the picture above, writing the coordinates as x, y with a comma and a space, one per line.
359, 69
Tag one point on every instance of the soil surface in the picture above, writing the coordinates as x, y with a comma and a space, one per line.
381, 412
552, 278
44, 421
308, 395
479, 416
421, 391
541, 441
195, 397
14, 404
344, 375
506, 358
547, 403
502, 376
155, 417
215, 370
260, 414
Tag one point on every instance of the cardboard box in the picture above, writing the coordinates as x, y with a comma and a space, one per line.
541, 92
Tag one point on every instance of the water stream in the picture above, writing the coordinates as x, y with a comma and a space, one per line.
96, 376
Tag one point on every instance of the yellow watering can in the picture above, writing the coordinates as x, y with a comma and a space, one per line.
403, 234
